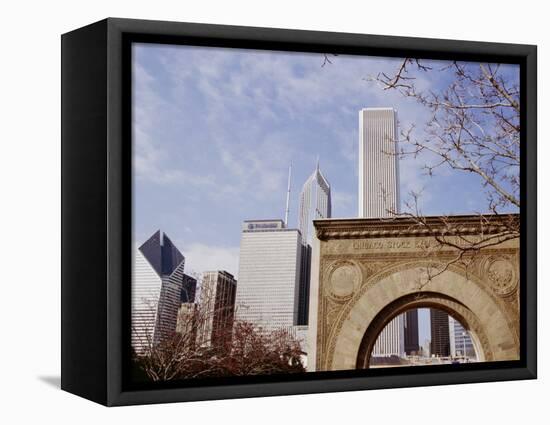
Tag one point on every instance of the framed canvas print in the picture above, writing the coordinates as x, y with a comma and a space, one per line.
252, 212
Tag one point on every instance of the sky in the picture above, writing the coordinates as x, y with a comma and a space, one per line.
215, 130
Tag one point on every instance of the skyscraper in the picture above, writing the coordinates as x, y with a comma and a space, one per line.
218, 291
439, 327
378, 163
315, 203
411, 332
188, 289
391, 341
269, 274
156, 290
459, 340
379, 194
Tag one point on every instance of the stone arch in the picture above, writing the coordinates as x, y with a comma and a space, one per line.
424, 300
395, 289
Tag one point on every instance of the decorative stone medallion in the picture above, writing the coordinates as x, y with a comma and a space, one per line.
501, 275
344, 279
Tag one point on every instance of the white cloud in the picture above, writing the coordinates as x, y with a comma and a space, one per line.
201, 257
264, 84
225, 127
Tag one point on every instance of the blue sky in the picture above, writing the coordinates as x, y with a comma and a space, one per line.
215, 130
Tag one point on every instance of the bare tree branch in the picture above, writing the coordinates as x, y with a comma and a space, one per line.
201, 349
473, 127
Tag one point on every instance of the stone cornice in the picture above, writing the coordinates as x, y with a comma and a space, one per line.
353, 228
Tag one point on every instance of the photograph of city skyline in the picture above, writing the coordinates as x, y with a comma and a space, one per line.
305, 212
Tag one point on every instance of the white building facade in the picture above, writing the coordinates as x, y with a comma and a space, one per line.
379, 195
391, 341
269, 274
146, 288
157, 276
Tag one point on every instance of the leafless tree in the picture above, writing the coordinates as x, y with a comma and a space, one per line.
208, 343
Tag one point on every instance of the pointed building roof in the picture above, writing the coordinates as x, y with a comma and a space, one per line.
161, 253
317, 175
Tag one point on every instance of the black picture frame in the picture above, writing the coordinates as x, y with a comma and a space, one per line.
96, 209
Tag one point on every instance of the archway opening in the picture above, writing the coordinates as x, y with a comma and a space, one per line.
421, 329
423, 336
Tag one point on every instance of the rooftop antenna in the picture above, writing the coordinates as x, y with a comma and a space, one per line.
317, 162
288, 195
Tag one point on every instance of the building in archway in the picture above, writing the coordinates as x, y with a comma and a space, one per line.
365, 272
412, 345
439, 330
459, 340
391, 341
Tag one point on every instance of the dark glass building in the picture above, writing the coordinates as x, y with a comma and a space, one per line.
161, 253
411, 332
188, 289
303, 297
439, 326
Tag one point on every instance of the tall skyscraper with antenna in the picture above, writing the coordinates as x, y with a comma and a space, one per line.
315, 203
271, 274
